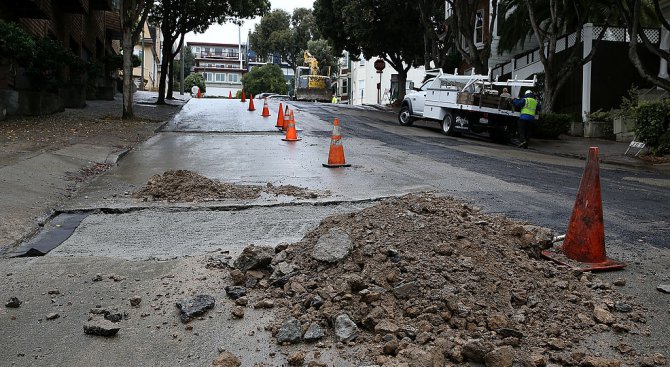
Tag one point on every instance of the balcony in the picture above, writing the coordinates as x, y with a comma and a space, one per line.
113, 25
218, 55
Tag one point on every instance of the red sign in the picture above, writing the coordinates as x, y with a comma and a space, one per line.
380, 65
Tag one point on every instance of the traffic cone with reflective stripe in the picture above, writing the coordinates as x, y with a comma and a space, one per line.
230, 94
286, 117
199, 94
280, 117
243, 97
291, 133
266, 110
336, 153
251, 103
585, 239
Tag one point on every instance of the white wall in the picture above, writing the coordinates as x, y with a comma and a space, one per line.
364, 79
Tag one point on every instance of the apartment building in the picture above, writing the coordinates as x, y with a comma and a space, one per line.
221, 64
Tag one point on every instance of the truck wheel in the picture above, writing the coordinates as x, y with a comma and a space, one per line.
448, 124
405, 116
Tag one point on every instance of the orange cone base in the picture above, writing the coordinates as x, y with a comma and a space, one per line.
284, 139
557, 255
336, 165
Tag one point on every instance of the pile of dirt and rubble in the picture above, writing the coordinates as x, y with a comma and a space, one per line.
430, 281
185, 185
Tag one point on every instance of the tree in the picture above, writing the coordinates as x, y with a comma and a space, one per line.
390, 29
636, 15
178, 17
475, 48
323, 52
286, 35
133, 14
189, 63
549, 22
265, 78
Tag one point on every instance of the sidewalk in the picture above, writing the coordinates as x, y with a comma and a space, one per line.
45, 160
610, 152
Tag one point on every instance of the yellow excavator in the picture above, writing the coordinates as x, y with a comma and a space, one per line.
309, 85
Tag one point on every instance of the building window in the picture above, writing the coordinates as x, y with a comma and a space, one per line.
479, 27
233, 78
208, 77
220, 77
448, 10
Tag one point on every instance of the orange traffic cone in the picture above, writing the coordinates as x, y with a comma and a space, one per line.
585, 239
251, 103
286, 117
266, 110
230, 94
199, 95
280, 117
336, 153
291, 133
243, 97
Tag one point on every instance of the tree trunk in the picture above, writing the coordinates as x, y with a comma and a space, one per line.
402, 82
549, 94
127, 74
167, 51
170, 86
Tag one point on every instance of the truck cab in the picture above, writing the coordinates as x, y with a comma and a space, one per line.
413, 104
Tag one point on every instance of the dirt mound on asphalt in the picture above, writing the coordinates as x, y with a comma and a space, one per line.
185, 186
432, 281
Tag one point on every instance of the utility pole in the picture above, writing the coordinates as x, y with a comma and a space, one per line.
181, 68
142, 66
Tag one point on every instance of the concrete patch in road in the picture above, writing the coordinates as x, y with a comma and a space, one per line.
162, 235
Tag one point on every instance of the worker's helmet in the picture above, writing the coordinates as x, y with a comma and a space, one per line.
529, 93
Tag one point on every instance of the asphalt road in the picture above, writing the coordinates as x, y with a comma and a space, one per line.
220, 139
634, 211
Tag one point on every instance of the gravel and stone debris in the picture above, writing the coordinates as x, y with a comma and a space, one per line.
189, 186
135, 301
665, 288
289, 332
226, 359
100, 326
13, 303
53, 316
235, 291
191, 308
431, 279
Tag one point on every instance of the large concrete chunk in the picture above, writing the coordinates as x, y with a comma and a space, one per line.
334, 246
194, 307
254, 257
345, 328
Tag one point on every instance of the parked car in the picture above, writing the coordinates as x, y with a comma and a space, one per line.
279, 97
263, 95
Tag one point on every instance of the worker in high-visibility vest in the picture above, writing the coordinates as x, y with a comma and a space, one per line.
529, 107
334, 100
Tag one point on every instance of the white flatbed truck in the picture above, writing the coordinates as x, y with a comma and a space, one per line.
464, 103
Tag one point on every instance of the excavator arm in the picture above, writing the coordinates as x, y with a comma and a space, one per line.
313, 64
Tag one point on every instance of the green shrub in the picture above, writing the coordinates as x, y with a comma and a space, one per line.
16, 45
195, 79
602, 116
652, 126
238, 94
551, 125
